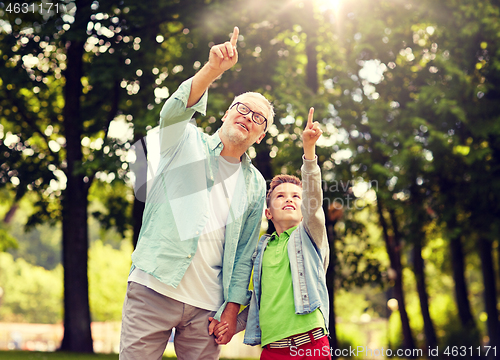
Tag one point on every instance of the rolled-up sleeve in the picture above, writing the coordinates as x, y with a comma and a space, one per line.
175, 116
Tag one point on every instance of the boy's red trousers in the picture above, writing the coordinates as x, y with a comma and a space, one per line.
315, 350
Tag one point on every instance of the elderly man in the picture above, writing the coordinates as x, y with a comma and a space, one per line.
201, 222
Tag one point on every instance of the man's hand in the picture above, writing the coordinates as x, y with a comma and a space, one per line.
224, 56
310, 135
217, 328
228, 318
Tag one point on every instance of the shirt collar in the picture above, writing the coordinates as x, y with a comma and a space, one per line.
214, 142
287, 233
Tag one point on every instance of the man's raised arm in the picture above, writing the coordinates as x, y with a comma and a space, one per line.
175, 115
222, 57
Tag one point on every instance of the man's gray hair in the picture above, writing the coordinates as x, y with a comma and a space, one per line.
255, 95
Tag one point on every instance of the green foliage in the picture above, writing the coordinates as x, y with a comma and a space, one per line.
31, 293
40, 245
425, 130
112, 201
7, 241
394, 331
108, 273
360, 256
34, 294
456, 334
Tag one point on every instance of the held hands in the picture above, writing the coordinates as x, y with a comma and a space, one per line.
218, 329
228, 318
223, 56
310, 135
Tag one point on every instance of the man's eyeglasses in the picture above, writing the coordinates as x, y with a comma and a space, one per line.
257, 118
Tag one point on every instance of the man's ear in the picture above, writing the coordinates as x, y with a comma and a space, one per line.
260, 138
269, 216
225, 115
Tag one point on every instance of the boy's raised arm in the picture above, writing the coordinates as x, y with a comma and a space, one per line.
312, 194
311, 134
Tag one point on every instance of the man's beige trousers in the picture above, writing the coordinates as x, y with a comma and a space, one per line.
147, 322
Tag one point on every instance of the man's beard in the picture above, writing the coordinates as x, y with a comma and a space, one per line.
233, 135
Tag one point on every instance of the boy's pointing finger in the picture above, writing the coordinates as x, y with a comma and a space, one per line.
234, 37
310, 118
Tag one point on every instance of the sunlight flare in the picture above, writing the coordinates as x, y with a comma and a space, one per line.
330, 5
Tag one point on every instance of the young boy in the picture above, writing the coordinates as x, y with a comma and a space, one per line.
289, 307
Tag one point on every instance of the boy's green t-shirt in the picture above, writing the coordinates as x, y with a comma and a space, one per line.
277, 309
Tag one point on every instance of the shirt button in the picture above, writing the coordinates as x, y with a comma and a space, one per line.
197, 232
189, 256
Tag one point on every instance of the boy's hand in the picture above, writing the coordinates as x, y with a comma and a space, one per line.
224, 56
310, 135
218, 329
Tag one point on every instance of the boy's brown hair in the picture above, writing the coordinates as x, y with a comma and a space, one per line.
278, 180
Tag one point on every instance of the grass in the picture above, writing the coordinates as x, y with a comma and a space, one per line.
36, 355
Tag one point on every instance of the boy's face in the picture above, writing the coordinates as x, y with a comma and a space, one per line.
285, 206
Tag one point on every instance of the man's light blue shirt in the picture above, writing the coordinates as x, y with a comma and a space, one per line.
177, 207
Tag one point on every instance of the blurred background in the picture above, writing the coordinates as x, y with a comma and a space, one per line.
408, 95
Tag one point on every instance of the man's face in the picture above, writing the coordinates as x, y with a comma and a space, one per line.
285, 206
240, 129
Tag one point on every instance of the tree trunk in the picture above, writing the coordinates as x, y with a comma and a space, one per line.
263, 163
310, 26
418, 268
140, 168
461, 294
77, 333
490, 298
331, 216
417, 236
137, 212
393, 250
458, 265
10, 214
330, 282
